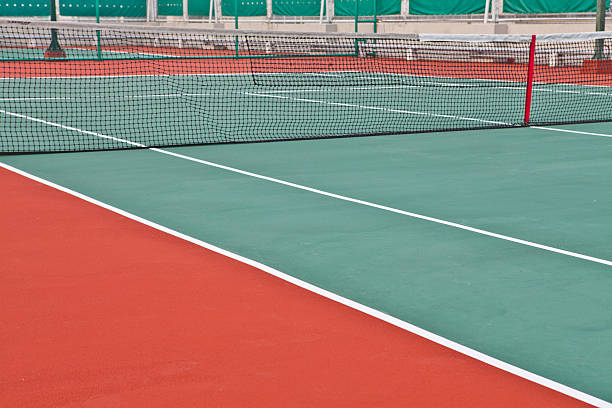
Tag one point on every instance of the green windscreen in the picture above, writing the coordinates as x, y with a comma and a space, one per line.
199, 7
247, 8
108, 8
446, 7
170, 8
24, 8
296, 7
366, 7
550, 6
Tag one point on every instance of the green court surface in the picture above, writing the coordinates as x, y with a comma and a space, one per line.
544, 311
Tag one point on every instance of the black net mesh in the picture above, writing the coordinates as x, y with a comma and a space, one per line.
69, 87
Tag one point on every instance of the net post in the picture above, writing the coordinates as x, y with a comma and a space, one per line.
356, 16
55, 50
375, 16
99, 41
600, 25
530, 79
236, 14
356, 27
236, 23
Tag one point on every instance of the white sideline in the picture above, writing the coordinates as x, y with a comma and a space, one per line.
580, 132
326, 193
579, 395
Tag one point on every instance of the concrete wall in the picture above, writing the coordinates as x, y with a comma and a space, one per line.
406, 27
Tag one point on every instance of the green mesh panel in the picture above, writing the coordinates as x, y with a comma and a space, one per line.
550, 6
366, 7
170, 8
10, 8
199, 7
296, 7
245, 8
108, 8
446, 7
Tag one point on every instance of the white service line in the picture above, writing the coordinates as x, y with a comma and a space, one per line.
114, 97
350, 105
579, 395
85, 132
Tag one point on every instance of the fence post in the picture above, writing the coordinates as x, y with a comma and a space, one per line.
600, 25
218, 10
330, 10
405, 7
269, 9
151, 10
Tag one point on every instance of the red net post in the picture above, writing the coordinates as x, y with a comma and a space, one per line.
530, 79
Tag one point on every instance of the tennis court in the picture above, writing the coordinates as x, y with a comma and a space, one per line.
449, 268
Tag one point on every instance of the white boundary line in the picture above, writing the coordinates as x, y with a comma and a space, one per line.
350, 105
114, 97
326, 193
579, 395
580, 132
156, 75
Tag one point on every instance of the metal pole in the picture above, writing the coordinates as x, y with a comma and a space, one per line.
356, 16
236, 14
236, 23
600, 25
356, 27
329, 10
99, 43
53, 10
322, 11
54, 50
375, 16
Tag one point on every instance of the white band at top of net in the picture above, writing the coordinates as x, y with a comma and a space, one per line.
8, 24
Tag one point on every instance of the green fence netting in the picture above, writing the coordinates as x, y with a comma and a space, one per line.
446, 7
199, 7
296, 7
170, 8
108, 8
246, 8
22, 8
366, 7
550, 6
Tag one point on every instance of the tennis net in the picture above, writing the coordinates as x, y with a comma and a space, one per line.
80, 87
